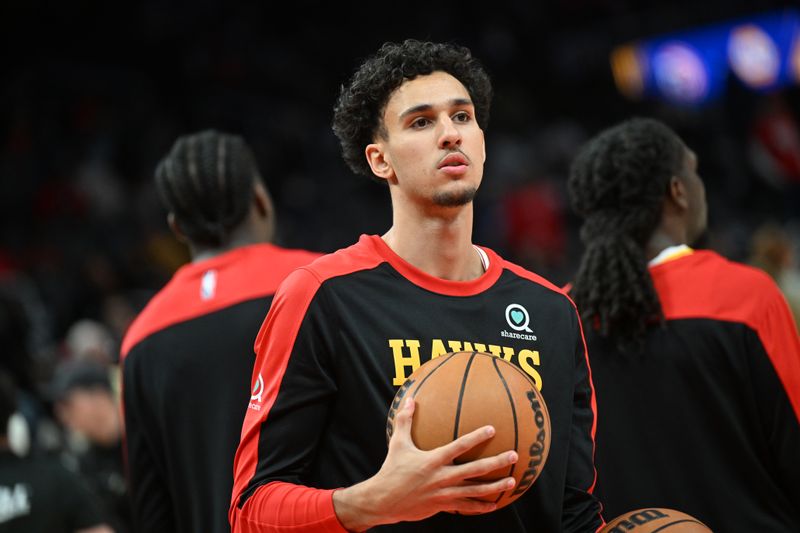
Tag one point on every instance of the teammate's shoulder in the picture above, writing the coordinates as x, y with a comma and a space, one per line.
156, 307
300, 256
706, 283
737, 276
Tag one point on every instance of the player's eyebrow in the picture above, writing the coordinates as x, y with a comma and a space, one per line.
427, 107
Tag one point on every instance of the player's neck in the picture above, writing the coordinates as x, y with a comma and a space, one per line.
438, 245
256, 228
236, 240
660, 241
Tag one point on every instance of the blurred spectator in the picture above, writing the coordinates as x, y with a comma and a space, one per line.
39, 494
87, 407
773, 251
90, 340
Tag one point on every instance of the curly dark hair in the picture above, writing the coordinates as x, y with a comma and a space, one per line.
358, 113
206, 180
617, 184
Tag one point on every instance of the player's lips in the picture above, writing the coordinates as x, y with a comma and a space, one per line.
454, 164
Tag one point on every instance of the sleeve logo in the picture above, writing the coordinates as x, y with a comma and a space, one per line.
258, 389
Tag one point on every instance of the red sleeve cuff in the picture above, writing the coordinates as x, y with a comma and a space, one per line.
283, 507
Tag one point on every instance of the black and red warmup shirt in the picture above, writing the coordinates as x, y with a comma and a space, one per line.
341, 337
187, 362
705, 421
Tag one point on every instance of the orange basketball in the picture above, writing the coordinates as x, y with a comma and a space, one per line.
656, 519
459, 392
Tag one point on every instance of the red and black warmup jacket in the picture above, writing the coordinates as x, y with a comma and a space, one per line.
187, 361
705, 421
341, 337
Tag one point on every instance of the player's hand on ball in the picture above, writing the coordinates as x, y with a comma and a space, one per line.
414, 484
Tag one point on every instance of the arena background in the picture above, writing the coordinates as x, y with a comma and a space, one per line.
94, 92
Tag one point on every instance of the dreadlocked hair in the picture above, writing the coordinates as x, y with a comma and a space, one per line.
206, 181
617, 184
358, 113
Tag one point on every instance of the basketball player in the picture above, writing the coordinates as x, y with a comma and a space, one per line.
187, 358
345, 332
696, 358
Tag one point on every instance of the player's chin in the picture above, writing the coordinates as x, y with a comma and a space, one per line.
455, 197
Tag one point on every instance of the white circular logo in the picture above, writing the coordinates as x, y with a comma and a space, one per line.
518, 318
258, 389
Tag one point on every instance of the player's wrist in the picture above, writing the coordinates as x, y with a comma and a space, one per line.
354, 507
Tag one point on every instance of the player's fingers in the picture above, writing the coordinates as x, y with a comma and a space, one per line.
464, 443
478, 490
467, 506
401, 433
479, 467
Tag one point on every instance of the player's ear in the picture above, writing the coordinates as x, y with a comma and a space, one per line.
176, 228
264, 209
262, 200
379, 161
677, 193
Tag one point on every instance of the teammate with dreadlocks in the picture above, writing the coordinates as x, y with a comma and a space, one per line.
696, 359
188, 357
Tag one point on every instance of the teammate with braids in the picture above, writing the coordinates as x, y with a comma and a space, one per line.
696, 358
345, 332
187, 358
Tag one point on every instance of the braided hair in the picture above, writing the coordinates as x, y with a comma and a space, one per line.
206, 181
617, 184
358, 113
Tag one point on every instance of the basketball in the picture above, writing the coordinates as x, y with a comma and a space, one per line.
459, 392
651, 520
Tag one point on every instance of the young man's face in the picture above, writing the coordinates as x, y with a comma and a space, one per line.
433, 149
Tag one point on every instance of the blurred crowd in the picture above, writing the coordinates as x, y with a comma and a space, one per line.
84, 242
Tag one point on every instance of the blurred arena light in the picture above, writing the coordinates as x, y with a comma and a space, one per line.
692, 67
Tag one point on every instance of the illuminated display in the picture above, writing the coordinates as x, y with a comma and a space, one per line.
694, 66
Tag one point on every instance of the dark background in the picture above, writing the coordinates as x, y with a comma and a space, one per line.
93, 93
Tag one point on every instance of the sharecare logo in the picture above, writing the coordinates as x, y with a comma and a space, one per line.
518, 318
